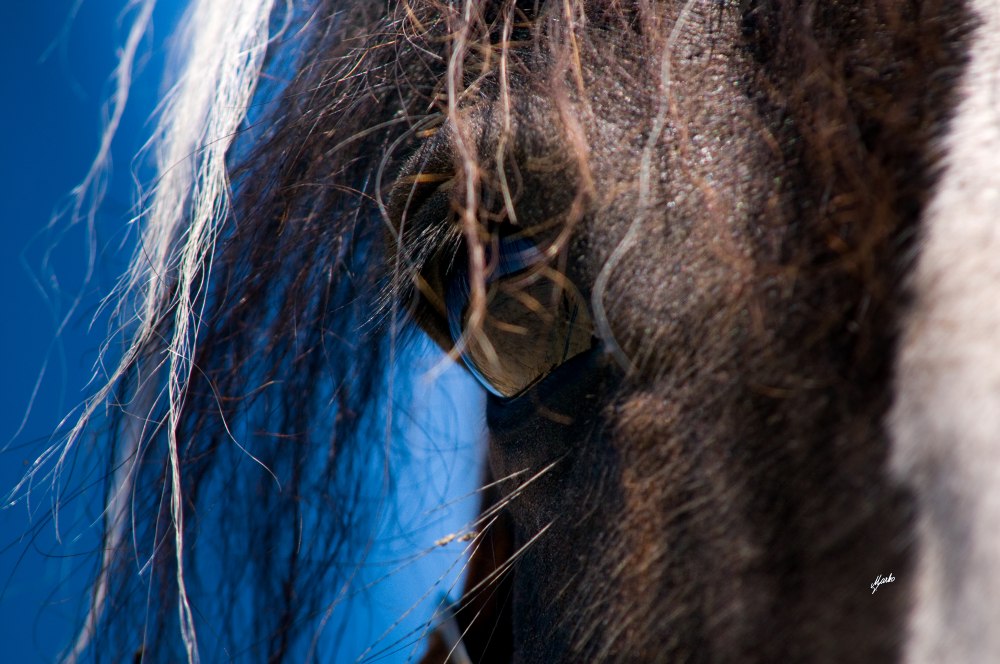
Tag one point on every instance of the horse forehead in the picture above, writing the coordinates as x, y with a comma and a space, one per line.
682, 172
692, 116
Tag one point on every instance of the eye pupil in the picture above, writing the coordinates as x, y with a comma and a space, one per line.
536, 319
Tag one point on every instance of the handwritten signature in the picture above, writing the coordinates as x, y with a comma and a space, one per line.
879, 580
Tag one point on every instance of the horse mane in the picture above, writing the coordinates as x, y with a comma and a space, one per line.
260, 324
181, 420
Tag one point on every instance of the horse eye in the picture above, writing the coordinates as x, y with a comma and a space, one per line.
536, 319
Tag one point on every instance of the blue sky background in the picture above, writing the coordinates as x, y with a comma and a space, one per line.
56, 73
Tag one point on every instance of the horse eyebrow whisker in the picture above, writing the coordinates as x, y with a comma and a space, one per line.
482, 585
473, 546
480, 525
485, 487
506, 565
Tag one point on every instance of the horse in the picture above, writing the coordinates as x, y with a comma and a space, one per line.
725, 270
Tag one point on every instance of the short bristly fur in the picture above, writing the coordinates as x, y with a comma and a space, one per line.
738, 189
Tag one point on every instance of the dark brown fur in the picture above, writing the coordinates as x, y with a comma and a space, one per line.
731, 497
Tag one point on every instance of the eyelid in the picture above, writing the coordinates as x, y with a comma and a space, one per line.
505, 369
514, 255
